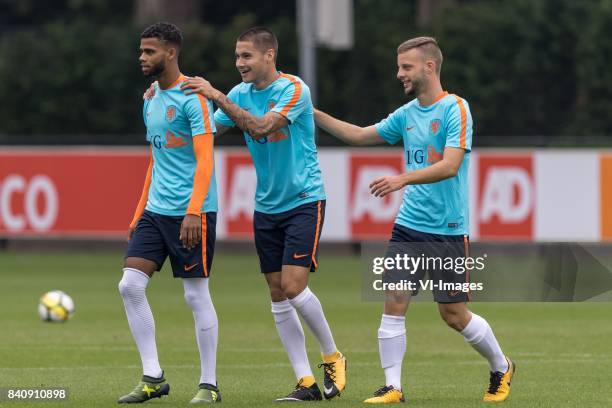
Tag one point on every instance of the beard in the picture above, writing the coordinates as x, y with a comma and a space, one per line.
416, 85
156, 70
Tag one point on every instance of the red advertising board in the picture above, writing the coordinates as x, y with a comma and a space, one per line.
240, 184
92, 192
78, 192
372, 217
506, 196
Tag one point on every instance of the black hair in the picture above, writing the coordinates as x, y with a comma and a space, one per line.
262, 37
165, 32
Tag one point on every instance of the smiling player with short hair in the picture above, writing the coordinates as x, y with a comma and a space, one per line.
436, 128
274, 111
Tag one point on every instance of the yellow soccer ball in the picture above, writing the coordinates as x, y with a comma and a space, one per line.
55, 306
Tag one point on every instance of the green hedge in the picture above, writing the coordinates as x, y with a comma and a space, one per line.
526, 67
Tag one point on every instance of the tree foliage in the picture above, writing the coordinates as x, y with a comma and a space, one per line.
526, 67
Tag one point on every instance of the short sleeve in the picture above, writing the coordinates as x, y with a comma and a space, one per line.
294, 99
199, 111
459, 125
220, 116
391, 129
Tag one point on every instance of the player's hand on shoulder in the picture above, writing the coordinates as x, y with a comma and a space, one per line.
385, 185
191, 231
198, 85
150, 92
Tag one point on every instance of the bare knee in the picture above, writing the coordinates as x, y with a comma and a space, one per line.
396, 303
454, 321
277, 295
274, 285
294, 279
291, 288
455, 318
395, 308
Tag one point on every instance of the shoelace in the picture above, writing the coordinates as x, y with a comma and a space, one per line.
495, 382
329, 369
298, 387
382, 391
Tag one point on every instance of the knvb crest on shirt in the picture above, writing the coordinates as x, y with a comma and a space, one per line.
170, 113
434, 126
279, 134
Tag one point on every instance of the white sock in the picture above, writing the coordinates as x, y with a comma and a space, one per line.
392, 347
479, 334
310, 309
198, 298
132, 288
292, 336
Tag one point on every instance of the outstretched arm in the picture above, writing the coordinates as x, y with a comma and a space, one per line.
257, 127
347, 132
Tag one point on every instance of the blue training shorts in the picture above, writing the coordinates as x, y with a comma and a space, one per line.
290, 237
157, 237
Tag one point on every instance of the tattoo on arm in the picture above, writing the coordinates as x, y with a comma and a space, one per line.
257, 127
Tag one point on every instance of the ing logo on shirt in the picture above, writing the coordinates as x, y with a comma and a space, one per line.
417, 156
434, 126
172, 141
170, 113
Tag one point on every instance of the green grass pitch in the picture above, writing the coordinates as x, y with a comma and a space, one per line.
563, 351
